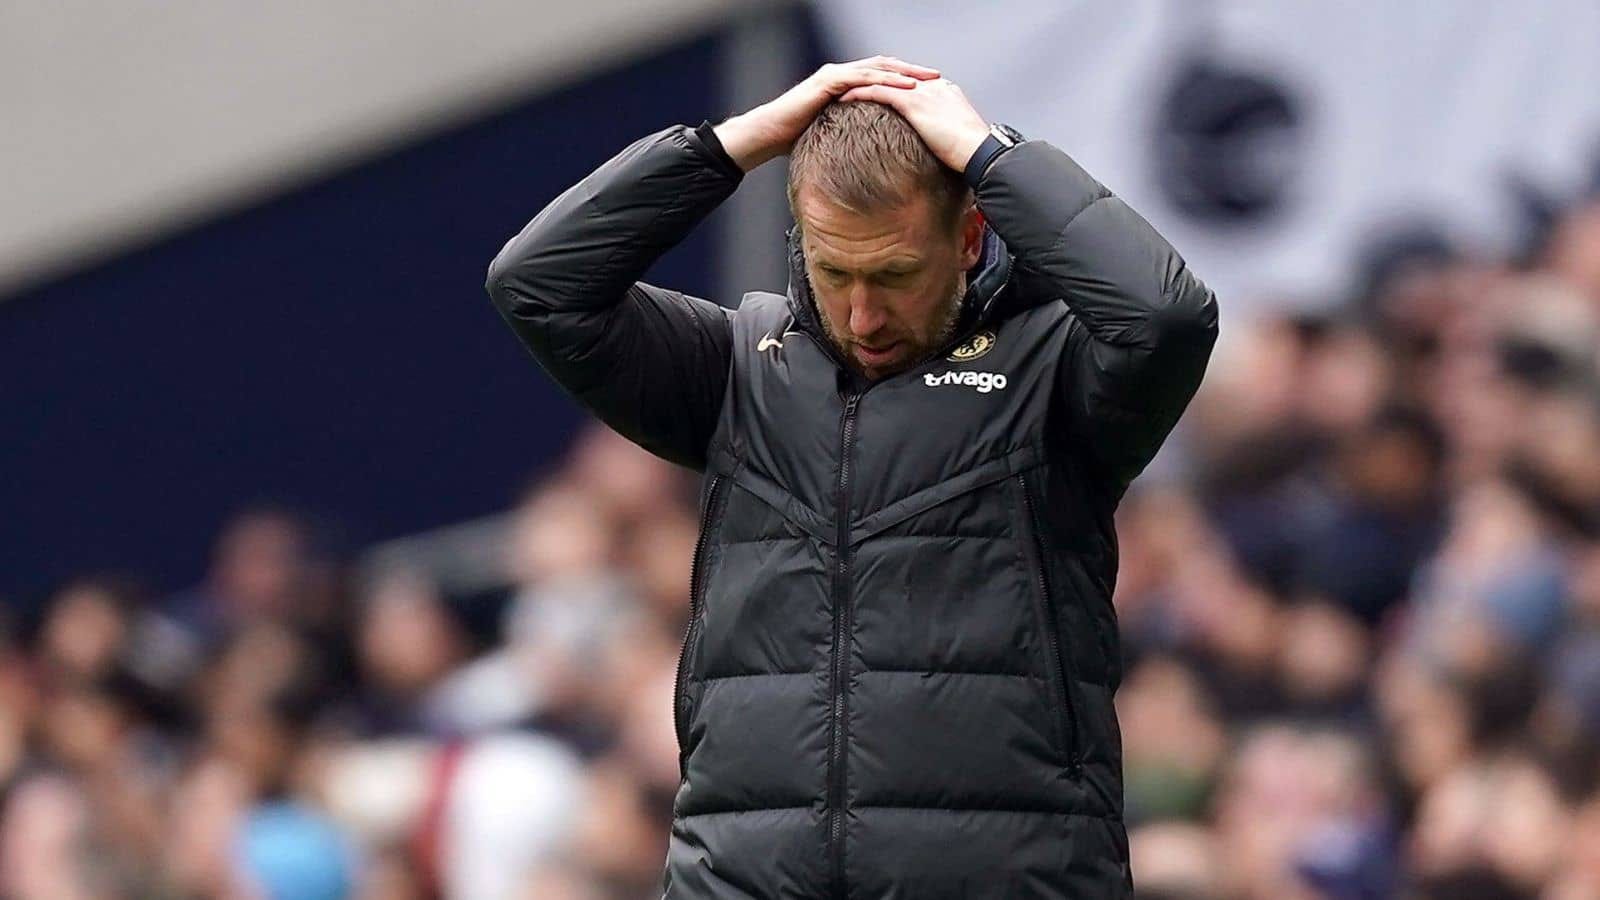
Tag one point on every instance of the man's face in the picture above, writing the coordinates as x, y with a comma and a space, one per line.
888, 284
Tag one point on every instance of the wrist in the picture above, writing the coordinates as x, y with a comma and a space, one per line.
999, 139
967, 145
744, 142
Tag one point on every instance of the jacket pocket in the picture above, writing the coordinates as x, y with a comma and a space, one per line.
697, 586
1058, 663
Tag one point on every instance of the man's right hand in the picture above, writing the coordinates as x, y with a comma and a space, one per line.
771, 129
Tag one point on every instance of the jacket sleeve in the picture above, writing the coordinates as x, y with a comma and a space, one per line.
1144, 325
651, 363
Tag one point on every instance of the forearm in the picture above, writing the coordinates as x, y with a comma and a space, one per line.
582, 252
1145, 326
648, 361
1121, 279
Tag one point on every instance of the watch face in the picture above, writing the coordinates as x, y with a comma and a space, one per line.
1010, 134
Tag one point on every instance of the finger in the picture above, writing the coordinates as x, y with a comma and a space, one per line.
893, 64
906, 68
893, 79
877, 93
866, 76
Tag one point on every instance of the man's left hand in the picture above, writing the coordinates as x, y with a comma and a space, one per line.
938, 110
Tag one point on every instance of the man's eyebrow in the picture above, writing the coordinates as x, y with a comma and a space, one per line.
898, 264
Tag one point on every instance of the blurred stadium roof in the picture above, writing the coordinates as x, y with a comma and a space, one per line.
127, 121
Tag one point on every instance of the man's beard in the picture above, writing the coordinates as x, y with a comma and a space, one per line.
949, 319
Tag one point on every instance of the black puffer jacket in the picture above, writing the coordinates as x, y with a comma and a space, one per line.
897, 679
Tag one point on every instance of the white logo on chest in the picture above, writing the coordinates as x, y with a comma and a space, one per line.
983, 381
768, 342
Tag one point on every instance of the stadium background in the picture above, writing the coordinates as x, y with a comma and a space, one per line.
312, 586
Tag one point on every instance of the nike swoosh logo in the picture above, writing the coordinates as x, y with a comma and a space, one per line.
768, 342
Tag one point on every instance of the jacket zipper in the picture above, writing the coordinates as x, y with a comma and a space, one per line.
841, 655
697, 581
1059, 669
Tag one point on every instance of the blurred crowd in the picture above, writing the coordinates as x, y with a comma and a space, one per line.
1360, 597
298, 727
1362, 629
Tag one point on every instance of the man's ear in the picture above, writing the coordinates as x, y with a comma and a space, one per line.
971, 236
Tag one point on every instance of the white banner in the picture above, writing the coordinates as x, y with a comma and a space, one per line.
1274, 141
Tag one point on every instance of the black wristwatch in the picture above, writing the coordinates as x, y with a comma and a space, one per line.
1001, 138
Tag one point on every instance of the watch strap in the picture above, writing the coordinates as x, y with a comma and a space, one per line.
987, 152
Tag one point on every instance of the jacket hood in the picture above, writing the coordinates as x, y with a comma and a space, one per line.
987, 299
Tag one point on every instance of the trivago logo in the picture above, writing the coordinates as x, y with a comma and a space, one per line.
983, 381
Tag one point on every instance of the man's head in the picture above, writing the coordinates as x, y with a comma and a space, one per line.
888, 233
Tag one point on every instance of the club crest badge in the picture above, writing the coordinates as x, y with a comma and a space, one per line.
975, 346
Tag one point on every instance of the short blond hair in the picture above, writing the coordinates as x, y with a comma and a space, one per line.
865, 156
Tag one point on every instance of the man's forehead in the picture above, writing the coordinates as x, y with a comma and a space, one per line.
831, 232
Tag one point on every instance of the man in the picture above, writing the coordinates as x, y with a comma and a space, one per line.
901, 655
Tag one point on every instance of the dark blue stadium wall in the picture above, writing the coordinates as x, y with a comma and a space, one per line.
332, 348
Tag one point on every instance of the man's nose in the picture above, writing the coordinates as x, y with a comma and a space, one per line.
866, 313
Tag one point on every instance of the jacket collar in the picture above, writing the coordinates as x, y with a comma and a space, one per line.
985, 302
